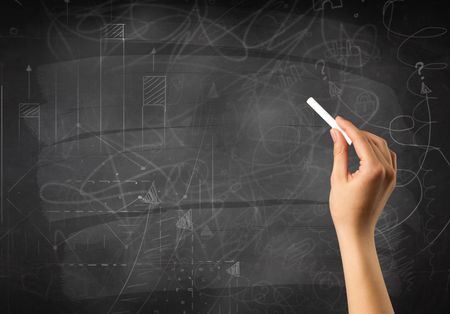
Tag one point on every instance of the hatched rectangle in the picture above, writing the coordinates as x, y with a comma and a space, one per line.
29, 110
114, 31
154, 90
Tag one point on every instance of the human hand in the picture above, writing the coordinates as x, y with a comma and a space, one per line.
357, 199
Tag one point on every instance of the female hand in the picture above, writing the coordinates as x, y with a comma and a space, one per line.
357, 199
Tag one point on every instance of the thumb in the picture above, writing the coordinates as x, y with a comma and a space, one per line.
340, 155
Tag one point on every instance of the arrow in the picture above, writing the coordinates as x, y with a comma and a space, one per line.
67, 10
29, 80
424, 90
153, 59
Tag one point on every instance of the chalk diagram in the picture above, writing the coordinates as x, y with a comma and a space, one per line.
180, 170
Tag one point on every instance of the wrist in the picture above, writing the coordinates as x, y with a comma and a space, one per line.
354, 235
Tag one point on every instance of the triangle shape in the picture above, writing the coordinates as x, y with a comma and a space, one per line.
185, 220
206, 232
213, 91
277, 68
234, 270
424, 89
151, 197
334, 90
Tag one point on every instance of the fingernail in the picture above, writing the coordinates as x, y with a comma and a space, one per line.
333, 135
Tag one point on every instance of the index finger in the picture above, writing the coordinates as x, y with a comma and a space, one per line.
361, 144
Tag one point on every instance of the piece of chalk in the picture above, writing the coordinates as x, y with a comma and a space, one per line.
326, 116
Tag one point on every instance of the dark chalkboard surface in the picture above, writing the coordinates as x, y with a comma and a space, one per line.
159, 156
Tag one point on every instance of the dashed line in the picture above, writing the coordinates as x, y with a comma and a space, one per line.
94, 265
137, 264
105, 181
94, 211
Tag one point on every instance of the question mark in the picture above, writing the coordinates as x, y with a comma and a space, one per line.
419, 66
322, 71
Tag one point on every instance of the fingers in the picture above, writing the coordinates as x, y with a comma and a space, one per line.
368, 147
394, 159
386, 157
340, 156
380, 155
380, 144
362, 146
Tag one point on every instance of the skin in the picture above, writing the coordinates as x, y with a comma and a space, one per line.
356, 201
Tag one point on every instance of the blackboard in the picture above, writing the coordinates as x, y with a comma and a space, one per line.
159, 156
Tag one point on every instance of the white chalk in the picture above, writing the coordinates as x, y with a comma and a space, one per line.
326, 116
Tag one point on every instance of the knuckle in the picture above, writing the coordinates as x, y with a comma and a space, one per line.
394, 180
378, 171
394, 155
359, 133
390, 174
370, 136
335, 179
338, 150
